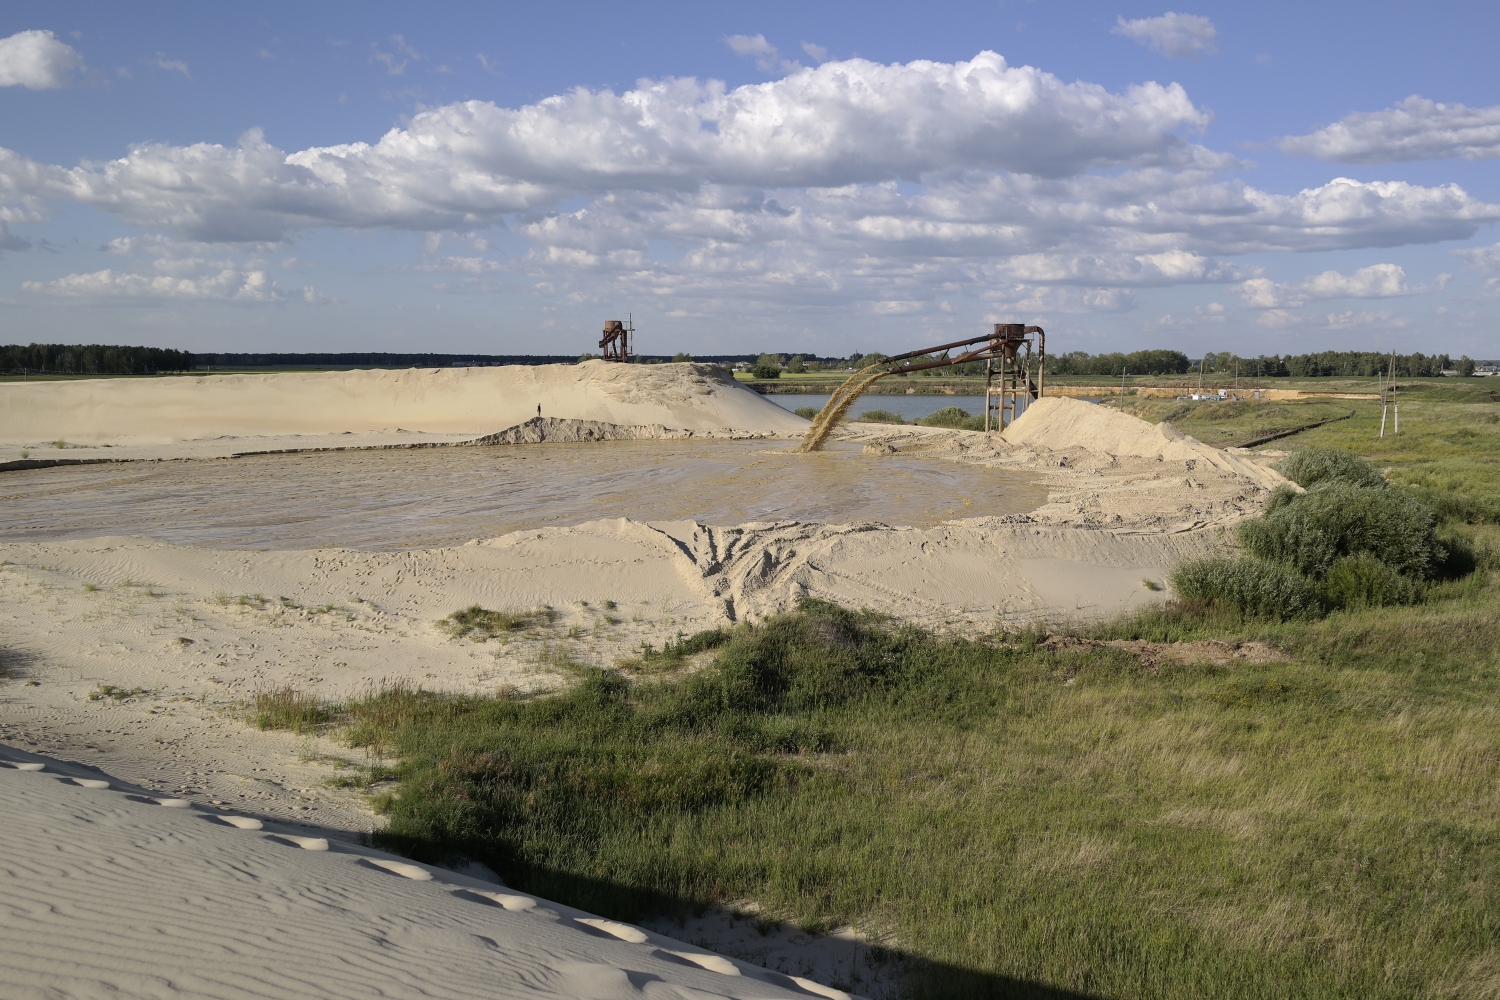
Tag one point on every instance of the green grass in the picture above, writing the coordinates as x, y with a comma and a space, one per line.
288, 708
1236, 422
479, 624
1016, 817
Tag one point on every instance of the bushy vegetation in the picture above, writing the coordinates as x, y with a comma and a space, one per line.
807, 412
881, 417
1308, 467
953, 416
1335, 519
1253, 587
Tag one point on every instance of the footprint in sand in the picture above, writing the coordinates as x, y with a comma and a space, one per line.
306, 843
242, 822
402, 868
27, 766
518, 904
90, 782
173, 803
622, 931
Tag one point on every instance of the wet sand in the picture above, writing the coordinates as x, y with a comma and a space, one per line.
403, 499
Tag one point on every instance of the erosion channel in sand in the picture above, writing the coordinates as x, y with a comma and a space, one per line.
150, 593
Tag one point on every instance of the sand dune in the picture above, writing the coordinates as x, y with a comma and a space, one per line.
113, 891
462, 402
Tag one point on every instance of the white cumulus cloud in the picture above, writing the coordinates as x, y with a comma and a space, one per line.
1378, 281
229, 285
1415, 129
36, 60
1176, 36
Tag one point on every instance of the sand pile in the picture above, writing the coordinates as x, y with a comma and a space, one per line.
113, 891
257, 412
1057, 424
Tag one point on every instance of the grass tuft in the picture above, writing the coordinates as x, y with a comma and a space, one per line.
288, 708
479, 624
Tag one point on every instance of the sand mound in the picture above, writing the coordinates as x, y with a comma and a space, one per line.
463, 401
225, 905
1057, 424
555, 430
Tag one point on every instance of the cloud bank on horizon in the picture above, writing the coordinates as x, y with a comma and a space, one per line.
893, 189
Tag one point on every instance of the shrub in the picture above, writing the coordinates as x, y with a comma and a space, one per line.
881, 417
952, 416
1256, 588
766, 371
807, 412
1362, 581
1336, 519
948, 416
1310, 466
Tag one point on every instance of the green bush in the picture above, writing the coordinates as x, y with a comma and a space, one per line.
1362, 581
948, 416
1311, 466
1335, 519
807, 412
953, 416
1256, 588
881, 417
766, 371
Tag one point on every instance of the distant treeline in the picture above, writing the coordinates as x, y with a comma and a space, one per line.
92, 359
1322, 365
1136, 363
1335, 363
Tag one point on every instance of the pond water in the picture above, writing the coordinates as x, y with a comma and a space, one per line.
397, 499
910, 407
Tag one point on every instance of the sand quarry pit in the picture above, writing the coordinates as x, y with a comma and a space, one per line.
171, 546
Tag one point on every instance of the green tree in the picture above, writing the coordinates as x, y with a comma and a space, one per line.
795, 365
1466, 365
680, 357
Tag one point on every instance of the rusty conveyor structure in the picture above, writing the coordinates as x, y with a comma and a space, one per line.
1007, 376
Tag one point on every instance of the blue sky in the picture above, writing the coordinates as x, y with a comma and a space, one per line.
825, 177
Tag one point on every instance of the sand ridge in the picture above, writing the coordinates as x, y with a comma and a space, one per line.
222, 904
458, 403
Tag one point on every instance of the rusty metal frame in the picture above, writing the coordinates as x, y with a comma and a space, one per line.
614, 345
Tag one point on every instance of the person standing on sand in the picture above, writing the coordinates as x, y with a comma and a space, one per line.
539, 409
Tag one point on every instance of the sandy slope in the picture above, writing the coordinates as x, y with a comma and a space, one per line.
252, 412
110, 891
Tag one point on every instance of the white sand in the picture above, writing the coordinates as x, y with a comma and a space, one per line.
199, 630
219, 415
111, 891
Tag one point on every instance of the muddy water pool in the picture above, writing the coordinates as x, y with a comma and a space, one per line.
398, 499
